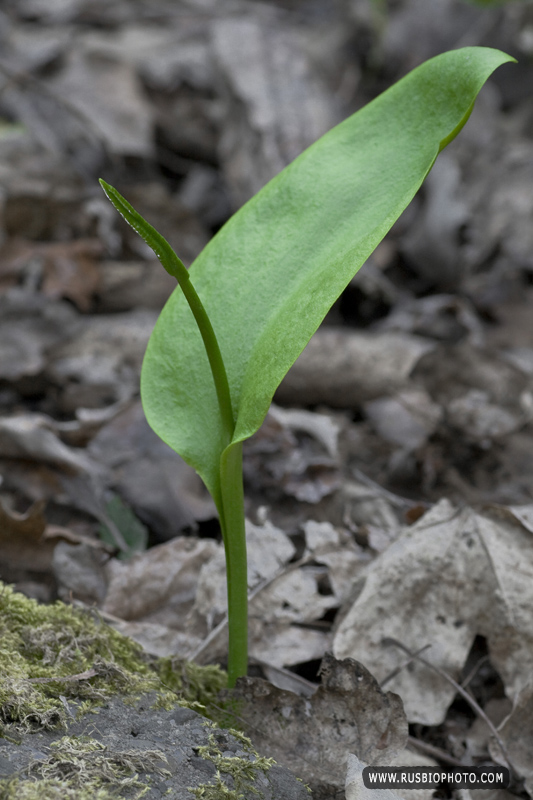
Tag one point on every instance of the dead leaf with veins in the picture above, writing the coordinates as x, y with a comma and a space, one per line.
451, 576
313, 736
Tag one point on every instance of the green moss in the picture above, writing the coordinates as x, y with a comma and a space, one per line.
56, 661
52, 650
242, 770
193, 683
81, 768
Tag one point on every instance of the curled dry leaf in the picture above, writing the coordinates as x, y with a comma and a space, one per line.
79, 572
294, 597
102, 363
483, 395
22, 545
319, 426
444, 317
285, 604
451, 576
108, 93
31, 436
281, 644
294, 453
314, 736
163, 578
476, 417
432, 246
343, 558
64, 269
366, 504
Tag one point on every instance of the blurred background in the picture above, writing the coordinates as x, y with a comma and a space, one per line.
418, 387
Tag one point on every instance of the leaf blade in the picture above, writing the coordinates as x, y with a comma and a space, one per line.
271, 273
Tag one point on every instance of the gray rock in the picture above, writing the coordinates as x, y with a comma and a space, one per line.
164, 749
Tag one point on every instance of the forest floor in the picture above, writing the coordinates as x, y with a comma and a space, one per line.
389, 492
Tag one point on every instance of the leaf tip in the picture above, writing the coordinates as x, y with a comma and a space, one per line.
105, 186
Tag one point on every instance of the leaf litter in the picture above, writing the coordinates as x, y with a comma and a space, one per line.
392, 503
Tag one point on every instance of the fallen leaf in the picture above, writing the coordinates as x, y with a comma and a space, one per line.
165, 576
451, 576
22, 542
32, 437
356, 789
345, 369
269, 549
408, 419
159, 486
313, 736
65, 269
283, 645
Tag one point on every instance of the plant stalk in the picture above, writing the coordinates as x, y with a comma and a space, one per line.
234, 535
231, 502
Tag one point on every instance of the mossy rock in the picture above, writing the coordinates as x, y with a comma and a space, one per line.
85, 713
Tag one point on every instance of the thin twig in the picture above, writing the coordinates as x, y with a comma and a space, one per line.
401, 667
394, 499
431, 750
213, 635
473, 671
464, 694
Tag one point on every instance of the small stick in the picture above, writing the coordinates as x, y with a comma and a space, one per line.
431, 750
401, 667
213, 635
464, 694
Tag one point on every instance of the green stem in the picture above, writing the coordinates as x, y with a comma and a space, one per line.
175, 267
231, 501
233, 531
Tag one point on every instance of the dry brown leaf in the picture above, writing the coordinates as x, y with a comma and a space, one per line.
79, 572
102, 362
165, 576
336, 550
451, 576
294, 453
64, 269
263, 69
158, 640
408, 419
32, 437
22, 544
269, 549
314, 735
282, 644
160, 487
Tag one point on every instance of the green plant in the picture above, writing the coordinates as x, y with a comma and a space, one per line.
269, 276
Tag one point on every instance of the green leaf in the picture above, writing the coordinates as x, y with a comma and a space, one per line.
269, 276
134, 533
